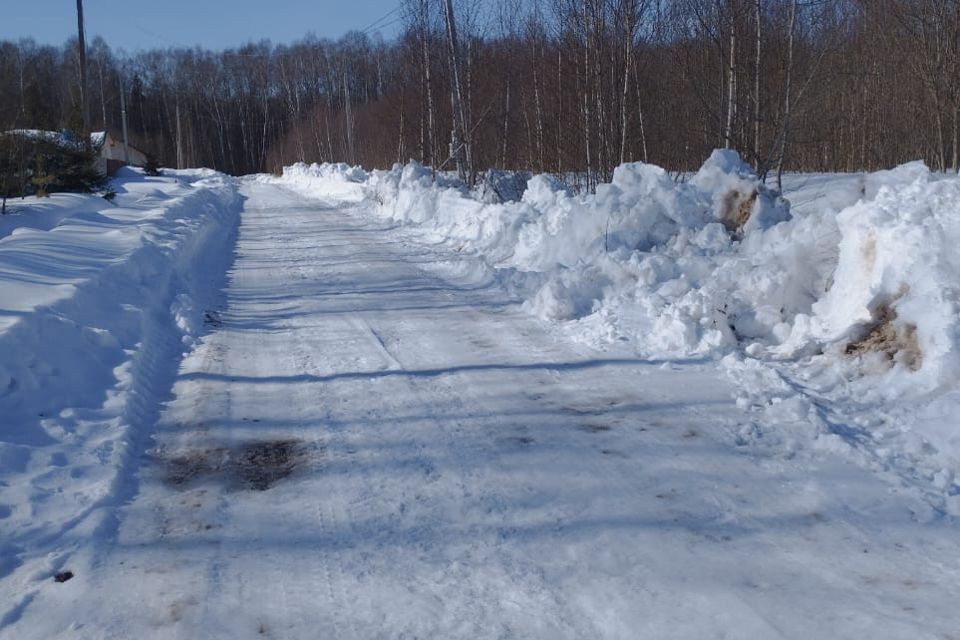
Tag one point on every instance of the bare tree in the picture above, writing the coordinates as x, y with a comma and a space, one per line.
787, 96
570, 86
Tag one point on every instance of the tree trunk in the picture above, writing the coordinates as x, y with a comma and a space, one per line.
348, 111
538, 108
400, 147
179, 138
505, 126
628, 29
587, 116
758, 101
956, 138
603, 143
731, 85
785, 133
559, 145
326, 120
941, 138
643, 132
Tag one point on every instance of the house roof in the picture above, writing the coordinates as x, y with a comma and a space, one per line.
67, 138
62, 138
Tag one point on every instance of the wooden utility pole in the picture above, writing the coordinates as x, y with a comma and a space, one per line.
459, 144
123, 118
82, 50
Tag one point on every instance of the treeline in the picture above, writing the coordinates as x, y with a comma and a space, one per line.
563, 86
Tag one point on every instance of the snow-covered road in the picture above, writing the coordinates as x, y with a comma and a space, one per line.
367, 446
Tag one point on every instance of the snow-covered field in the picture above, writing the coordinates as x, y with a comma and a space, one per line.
390, 408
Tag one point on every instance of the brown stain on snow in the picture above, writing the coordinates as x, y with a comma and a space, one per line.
254, 466
736, 210
896, 341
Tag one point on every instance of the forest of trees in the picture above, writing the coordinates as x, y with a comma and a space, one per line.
562, 86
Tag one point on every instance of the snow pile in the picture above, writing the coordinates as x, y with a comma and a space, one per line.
709, 266
338, 182
591, 253
897, 275
497, 185
96, 302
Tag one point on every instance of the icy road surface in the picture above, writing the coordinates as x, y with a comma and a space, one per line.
366, 446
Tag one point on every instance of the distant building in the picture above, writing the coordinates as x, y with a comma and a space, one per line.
111, 152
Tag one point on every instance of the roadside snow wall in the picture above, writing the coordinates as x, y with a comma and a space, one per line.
98, 301
712, 265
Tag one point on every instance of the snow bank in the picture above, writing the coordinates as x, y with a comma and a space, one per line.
707, 266
336, 182
896, 271
97, 301
856, 280
592, 252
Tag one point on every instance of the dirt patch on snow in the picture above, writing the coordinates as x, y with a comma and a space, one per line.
896, 342
254, 466
736, 211
594, 427
261, 464
517, 442
185, 468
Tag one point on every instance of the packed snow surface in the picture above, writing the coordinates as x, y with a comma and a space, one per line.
392, 407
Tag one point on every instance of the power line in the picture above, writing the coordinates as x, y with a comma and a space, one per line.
386, 26
381, 23
376, 23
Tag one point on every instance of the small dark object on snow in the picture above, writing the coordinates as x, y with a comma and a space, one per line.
594, 428
63, 576
261, 464
253, 466
152, 167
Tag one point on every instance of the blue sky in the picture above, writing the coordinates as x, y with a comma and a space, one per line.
213, 24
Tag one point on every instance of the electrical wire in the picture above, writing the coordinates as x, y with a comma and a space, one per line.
376, 23
387, 25
385, 21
